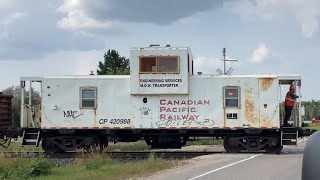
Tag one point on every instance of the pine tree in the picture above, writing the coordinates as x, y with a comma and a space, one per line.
113, 64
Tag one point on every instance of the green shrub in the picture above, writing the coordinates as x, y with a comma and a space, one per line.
39, 167
27, 169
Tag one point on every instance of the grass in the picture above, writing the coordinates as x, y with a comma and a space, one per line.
94, 167
131, 146
16, 147
205, 141
313, 127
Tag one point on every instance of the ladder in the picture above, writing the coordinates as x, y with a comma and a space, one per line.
31, 136
289, 136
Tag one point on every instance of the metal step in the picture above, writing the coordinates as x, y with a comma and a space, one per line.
32, 130
30, 142
289, 142
289, 136
31, 136
289, 129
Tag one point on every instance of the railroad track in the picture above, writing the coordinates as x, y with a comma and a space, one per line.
115, 155
160, 154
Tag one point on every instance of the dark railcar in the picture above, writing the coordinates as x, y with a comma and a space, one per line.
6, 131
5, 112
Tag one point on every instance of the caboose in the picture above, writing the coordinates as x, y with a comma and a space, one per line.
162, 102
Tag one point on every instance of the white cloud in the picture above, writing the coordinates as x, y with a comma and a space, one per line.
252, 10
77, 17
60, 63
207, 65
260, 54
187, 20
5, 4
107, 14
6, 21
33, 32
307, 13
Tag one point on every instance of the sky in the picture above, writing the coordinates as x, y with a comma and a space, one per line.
70, 37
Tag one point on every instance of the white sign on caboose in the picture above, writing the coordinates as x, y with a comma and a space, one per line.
159, 71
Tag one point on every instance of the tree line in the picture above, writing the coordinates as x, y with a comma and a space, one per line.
114, 64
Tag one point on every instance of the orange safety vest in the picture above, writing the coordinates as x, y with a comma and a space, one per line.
289, 101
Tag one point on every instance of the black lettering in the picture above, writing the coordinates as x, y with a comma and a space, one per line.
70, 114
103, 121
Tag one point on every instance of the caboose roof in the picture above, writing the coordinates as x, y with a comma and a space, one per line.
287, 77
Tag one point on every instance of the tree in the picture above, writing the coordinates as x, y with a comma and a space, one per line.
113, 64
15, 91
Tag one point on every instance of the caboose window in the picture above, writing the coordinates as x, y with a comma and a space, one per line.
148, 64
231, 96
169, 64
88, 97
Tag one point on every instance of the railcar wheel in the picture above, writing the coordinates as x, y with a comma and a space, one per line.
230, 145
274, 149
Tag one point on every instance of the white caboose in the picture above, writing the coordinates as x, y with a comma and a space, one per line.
162, 102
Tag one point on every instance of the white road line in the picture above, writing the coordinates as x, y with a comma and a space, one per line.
225, 167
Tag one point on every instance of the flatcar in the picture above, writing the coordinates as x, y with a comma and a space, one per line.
163, 102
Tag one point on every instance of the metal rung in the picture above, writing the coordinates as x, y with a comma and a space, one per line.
293, 140
289, 143
29, 143
288, 133
30, 140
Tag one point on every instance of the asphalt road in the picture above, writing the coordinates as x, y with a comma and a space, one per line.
244, 166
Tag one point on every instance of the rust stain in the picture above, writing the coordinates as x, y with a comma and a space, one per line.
250, 110
95, 117
266, 122
266, 83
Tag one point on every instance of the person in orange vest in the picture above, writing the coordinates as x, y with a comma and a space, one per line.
289, 104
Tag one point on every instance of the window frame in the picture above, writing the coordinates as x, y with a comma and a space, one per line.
95, 97
177, 71
225, 97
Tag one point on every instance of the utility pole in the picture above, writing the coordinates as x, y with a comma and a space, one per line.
224, 61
